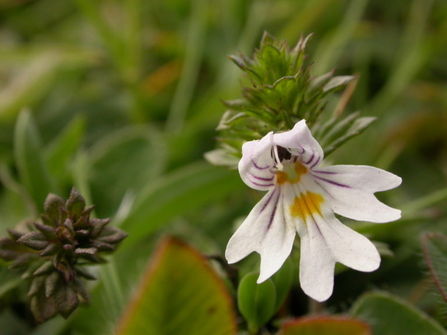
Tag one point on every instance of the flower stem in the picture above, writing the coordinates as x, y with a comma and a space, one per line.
315, 307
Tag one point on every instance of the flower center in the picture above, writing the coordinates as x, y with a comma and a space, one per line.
307, 204
291, 173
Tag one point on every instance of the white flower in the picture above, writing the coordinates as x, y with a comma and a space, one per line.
303, 197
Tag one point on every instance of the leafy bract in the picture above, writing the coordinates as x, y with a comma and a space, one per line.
278, 91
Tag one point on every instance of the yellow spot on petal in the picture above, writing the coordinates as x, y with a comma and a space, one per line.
281, 177
292, 173
308, 204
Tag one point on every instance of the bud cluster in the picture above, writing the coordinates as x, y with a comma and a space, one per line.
53, 254
278, 91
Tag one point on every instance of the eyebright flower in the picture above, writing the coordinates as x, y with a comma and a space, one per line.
302, 197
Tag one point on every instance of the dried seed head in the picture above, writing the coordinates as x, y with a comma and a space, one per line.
54, 253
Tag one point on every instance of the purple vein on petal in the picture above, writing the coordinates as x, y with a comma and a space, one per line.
261, 185
259, 167
324, 189
268, 200
311, 158
272, 215
323, 172
262, 178
330, 181
316, 162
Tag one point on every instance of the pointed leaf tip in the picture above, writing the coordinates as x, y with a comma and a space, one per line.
52, 206
75, 203
34, 240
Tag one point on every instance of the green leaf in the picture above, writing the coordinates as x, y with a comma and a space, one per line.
33, 172
36, 70
435, 253
9, 280
390, 315
124, 162
283, 280
62, 149
179, 294
256, 302
177, 193
325, 325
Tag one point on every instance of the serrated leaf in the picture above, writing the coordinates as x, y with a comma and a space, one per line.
75, 203
179, 294
325, 325
390, 315
43, 308
34, 240
28, 154
435, 253
48, 231
45, 268
256, 302
52, 207
66, 300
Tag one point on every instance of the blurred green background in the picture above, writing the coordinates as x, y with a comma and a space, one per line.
121, 99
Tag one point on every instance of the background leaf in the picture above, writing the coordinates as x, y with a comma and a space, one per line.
59, 153
28, 154
390, 315
143, 153
176, 193
256, 302
435, 253
179, 294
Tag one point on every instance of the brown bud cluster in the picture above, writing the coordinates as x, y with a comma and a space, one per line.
53, 255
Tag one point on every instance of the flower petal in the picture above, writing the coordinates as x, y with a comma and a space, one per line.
265, 231
346, 245
350, 191
316, 263
256, 164
316, 260
301, 143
